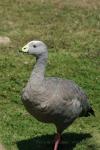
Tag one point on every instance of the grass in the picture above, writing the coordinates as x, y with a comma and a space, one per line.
72, 32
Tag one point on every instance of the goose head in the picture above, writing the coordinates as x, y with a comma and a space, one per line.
35, 48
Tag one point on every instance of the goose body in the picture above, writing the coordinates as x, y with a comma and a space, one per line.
55, 101
52, 100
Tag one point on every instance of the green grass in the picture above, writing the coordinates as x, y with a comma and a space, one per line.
72, 33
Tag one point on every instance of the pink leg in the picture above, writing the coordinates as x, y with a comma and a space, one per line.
57, 141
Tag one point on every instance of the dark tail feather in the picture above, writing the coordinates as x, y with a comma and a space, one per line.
90, 112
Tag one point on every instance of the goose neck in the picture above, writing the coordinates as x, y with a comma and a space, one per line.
39, 68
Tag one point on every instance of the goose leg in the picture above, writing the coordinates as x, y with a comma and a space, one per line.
57, 141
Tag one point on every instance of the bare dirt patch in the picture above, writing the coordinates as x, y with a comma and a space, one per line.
2, 147
4, 40
90, 4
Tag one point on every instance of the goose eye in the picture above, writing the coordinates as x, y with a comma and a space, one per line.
34, 46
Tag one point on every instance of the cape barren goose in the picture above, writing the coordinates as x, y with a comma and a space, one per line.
52, 100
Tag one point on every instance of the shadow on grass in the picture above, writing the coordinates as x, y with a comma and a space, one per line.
69, 141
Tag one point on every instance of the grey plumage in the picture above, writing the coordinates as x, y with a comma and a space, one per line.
52, 100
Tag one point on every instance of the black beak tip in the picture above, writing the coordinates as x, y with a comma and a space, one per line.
19, 51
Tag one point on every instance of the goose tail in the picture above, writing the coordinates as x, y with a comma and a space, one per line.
90, 112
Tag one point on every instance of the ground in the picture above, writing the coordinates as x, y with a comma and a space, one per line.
2, 147
72, 32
